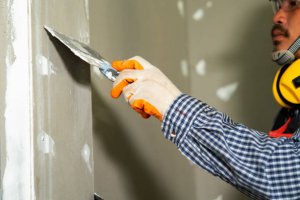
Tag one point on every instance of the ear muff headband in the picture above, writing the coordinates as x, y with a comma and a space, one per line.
286, 85
284, 57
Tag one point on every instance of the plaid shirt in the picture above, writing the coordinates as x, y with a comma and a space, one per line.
257, 165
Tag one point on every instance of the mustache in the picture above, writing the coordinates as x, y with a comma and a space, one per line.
281, 29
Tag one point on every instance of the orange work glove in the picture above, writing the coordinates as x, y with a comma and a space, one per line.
145, 87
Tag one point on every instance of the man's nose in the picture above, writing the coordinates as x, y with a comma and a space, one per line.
279, 17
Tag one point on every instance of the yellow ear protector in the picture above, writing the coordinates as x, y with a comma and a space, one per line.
286, 85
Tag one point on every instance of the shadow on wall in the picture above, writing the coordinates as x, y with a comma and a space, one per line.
253, 56
77, 68
141, 182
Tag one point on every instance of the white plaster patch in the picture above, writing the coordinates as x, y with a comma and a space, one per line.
180, 7
45, 66
201, 67
45, 144
209, 4
86, 154
18, 179
198, 15
226, 92
184, 68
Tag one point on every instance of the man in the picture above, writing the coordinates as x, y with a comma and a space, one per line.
256, 163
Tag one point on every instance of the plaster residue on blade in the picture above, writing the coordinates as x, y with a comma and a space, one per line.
86, 53
79, 49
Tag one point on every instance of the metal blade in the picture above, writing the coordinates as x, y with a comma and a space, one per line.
86, 53
97, 197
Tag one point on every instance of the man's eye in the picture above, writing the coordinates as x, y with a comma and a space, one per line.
294, 4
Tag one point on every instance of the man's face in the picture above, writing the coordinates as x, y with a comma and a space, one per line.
286, 27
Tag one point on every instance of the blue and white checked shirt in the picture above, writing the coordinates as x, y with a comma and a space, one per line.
257, 165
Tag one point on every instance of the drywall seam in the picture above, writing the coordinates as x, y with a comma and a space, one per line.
18, 176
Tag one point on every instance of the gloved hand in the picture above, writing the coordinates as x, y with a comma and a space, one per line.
145, 87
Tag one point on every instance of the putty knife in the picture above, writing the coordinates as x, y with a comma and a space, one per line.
86, 53
97, 197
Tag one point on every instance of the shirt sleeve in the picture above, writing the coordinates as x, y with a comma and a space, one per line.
257, 165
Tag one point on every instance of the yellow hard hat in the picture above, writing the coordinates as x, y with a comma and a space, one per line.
286, 85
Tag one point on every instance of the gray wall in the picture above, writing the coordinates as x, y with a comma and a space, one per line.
62, 102
233, 38
132, 159
218, 51
230, 47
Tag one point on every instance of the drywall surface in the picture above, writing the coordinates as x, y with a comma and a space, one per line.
64, 163
230, 58
218, 51
45, 122
231, 51
132, 159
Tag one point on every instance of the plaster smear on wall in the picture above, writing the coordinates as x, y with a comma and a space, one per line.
198, 15
86, 6
220, 197
180, 7
201, 67
46, 67
17, 180
84, 32
46, 143
226, 92
84, 35
184, 68
209, 4
86, 155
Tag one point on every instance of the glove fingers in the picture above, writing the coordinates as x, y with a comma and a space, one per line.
126, 78
141, 112
145, 87
146, 107
138, 100
128, 92
131, 89
117, 90
120, 65
138, 108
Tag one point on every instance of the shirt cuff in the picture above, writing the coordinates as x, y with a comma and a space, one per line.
180, 116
